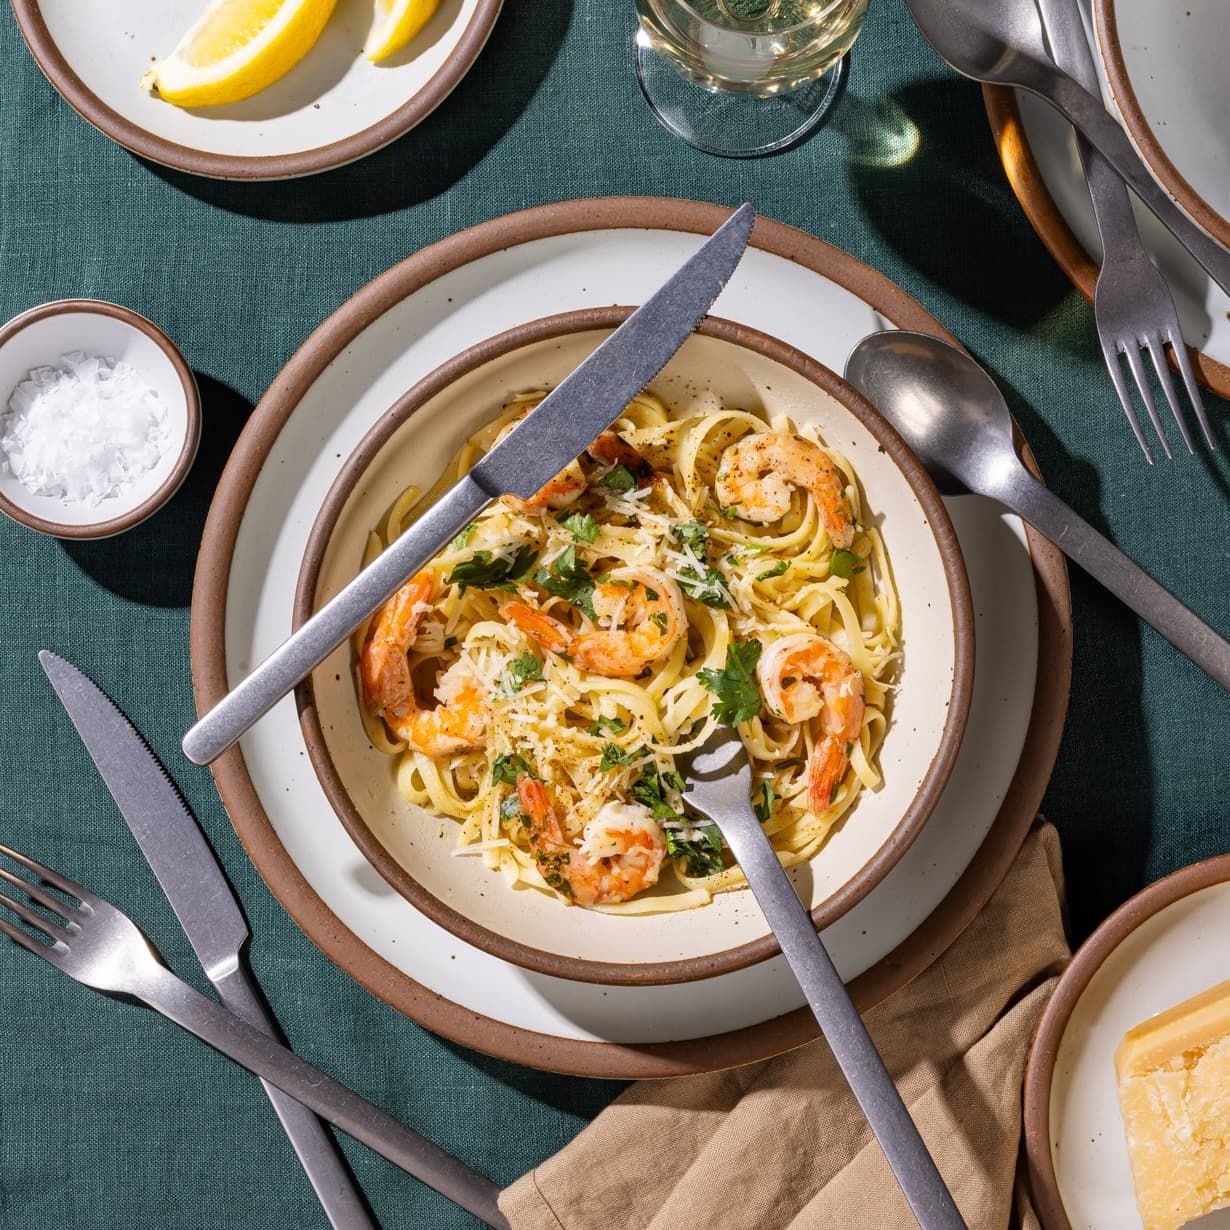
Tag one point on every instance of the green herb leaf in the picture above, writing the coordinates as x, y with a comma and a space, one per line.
481, 571
731, 513
674, 780
701, 848
768, 796
647, 790
464, 537
846, 563
619, 479
581, 526
661, 619
709, 588
692, 534
613, 756
525, 669
607, 726
506, 769
568, 578
776, 571
738, 697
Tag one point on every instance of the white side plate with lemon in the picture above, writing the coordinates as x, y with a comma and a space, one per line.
265, 89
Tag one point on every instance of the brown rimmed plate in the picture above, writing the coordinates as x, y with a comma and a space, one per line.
413, 443
334, 107
1039, 158
1167, 73
401, 326
1162, 946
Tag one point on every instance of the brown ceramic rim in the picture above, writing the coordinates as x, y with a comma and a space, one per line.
578, 969
1048, 1034
574, 1056
192, 436
1141, 131
140, 141
1051, 226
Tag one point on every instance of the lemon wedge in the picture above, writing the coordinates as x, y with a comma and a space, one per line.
397, 22
236, 49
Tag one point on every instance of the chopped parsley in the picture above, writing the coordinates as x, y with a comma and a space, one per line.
764, 805
568, 578
613, 756
464, 537
525, 669
647, 790
701, 848
776, 571
709, 588
692, 534
846, 563
731, 513
506, 769
661, 619
607, 726
738, 697
482, 571
581, 526
619, 479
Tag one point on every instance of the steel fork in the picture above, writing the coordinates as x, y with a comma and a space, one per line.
103, 948
1132, 305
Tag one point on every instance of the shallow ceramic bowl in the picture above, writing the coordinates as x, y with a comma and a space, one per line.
415, 441
39, 337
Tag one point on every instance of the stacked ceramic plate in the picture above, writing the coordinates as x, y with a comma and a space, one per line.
422, 357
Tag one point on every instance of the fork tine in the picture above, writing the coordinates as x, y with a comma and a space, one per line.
1157, 352
35, 920
1111, 355
18, 936
1182, 358
35, 893
1142, 383
54, 878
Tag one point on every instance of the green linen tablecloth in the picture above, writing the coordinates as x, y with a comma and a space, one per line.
109, 1116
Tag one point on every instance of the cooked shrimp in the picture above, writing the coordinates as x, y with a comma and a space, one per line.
756, 474
570, 482
646, 615
458, 723
801, 677
620, 853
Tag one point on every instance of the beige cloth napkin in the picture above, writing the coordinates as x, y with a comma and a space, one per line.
782, 1145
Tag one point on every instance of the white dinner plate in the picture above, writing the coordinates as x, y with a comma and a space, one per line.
334, 106
1161, 947
1166, 67
353, 368
1039, 154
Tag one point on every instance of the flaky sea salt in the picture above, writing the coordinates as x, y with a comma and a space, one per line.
85, 430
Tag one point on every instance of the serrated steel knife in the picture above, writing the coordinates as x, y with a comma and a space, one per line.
203, 901
560, 428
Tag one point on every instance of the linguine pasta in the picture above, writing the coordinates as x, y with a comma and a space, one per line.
585, 740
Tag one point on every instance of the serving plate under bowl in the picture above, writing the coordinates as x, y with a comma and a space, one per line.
415, 851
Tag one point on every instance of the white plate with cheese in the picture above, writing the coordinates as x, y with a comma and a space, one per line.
1165, 946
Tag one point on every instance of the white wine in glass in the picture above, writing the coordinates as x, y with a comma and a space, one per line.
759, 49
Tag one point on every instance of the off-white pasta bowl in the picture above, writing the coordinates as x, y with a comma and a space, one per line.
414, 851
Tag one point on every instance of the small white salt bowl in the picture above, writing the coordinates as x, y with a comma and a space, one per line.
38, 338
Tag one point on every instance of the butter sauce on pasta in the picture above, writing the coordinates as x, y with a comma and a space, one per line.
588, 745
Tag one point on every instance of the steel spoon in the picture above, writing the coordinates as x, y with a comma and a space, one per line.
1002, 44
719, 786
952, 415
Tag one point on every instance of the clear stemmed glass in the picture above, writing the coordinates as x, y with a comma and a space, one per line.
744, 77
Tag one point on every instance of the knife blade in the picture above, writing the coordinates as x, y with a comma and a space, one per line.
203, 901
555, 432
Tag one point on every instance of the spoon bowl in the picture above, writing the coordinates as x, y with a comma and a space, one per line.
950, 412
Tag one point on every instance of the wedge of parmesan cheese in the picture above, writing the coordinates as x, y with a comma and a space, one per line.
1174, 1092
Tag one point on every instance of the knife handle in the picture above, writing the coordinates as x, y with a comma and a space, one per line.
921, 1183
307, 648
315, 1148
252, 1049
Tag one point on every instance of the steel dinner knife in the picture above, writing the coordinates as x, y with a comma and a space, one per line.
205, 905
561, 427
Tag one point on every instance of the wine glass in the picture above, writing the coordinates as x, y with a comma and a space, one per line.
744, 77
